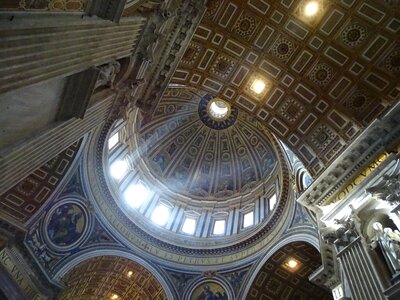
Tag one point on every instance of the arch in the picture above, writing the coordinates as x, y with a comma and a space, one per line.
254, 271
167, 287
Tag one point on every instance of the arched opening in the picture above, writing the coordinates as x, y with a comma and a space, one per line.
111, 277
285, 275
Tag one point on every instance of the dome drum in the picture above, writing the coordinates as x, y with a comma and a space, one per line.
203, 189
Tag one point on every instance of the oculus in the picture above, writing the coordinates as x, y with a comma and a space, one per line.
216, 113
218, 109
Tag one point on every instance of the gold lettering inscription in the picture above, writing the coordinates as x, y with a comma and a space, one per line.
19, 277
360, 177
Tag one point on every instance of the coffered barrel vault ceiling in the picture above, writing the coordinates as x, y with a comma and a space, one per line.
276, 280
106, 277
327, 76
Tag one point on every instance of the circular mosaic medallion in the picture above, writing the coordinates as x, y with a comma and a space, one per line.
66, 224
216, 113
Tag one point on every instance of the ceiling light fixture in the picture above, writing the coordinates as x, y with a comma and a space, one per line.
311, 8
114, 296
258, 86
130, 273
292, 263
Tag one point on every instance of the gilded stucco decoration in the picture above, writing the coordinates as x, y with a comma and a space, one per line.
278, 281
106, 276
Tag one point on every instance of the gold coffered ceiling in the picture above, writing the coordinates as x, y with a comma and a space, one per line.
111, 277
327, 76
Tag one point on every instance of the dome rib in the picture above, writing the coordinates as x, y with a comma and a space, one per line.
207, 162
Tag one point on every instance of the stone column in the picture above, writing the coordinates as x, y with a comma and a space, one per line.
355, 262
37, 47
18, 162
359, 270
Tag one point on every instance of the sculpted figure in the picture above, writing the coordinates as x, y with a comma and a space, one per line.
343, 235
389, 242
388, 190
107, 74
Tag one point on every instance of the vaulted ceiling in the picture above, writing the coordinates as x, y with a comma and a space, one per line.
327, 76
276, 280
111, 277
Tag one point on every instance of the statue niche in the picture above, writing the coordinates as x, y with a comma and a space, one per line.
388, 240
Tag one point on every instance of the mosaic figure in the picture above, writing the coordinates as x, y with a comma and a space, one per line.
66, 225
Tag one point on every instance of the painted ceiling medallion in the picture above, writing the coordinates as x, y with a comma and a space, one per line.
216, 113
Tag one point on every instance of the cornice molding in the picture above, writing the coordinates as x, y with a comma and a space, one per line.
383, 135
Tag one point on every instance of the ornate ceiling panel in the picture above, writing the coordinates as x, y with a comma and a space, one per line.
23, 200
111, 277
326, 76
277, 281
196, 156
